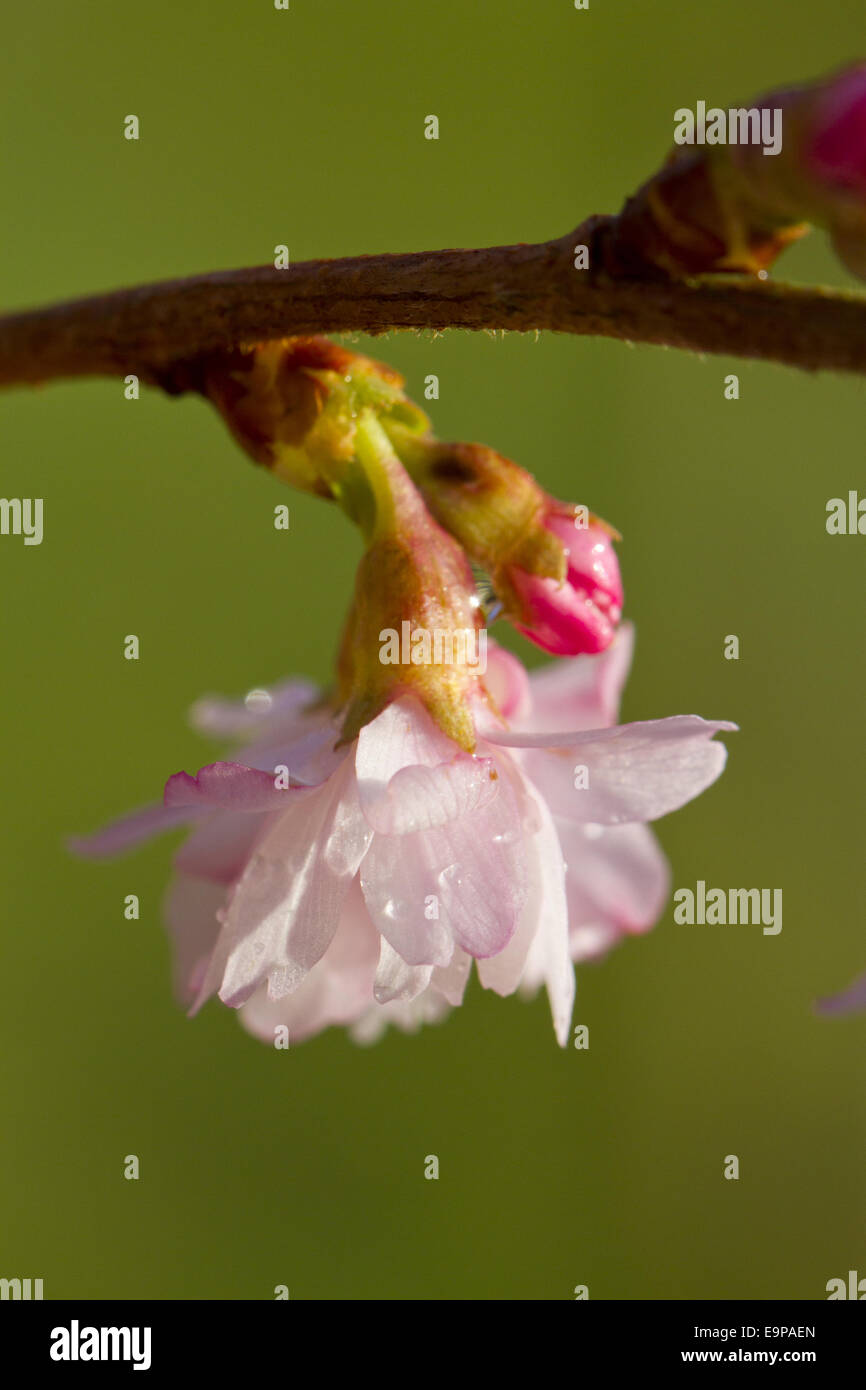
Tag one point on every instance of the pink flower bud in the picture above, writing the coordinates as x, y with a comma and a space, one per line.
837, 153
580, 614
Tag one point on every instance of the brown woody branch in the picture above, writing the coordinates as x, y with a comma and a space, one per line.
152, 329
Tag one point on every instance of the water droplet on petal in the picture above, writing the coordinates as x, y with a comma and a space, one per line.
450, 877
258, 701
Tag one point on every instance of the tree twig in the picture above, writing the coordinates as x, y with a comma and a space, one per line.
151, 329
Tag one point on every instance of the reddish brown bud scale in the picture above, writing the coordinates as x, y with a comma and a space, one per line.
684, 221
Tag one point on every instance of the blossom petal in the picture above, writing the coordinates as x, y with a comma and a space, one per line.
220, 845
463, 882
411, 776
310, 758
419, 798
403, 735
278, 709
848, 1001
131, 830
429, 1007
450, 980
592, 940
338, 989
286, 907
581, 692
191, 909
636, 772
617, 883
397, 980
232, 786
507, 684
545, 868
549, 957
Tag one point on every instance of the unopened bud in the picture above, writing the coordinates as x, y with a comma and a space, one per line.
415, 626
581, 613
552, 567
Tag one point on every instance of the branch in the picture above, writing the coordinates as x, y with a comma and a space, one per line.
152, 329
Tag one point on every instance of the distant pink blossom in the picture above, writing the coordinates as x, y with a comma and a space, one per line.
837, 149
848, 1001
361, 893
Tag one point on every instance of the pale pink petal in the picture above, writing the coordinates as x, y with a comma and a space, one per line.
444, 991
636, 772
508, 685
231, 786
371, 1026
220, 845
450, 980
338, 989
592, 940
397, 980
191, 908
131, 830
419, 798
411, 777
848, 1001
286, 907
310, 758
400, 880
429, 1007
403, 735
617, 878
549, 957
581, 692
503, 971
274, 711
463, 883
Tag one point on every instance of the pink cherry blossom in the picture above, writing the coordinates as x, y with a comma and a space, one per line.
837, 151
848, 1001
361, 893
579, 615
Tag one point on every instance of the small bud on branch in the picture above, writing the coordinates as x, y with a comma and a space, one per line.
717, 209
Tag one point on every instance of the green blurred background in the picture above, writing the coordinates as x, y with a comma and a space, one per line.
306, 1168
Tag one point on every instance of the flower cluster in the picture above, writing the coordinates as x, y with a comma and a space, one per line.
363, 847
